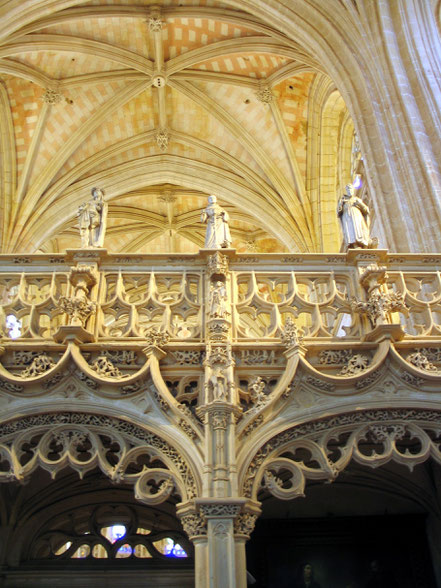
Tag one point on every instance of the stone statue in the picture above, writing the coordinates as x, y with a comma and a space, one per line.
355, 221
218, 232
92, 220
218, 297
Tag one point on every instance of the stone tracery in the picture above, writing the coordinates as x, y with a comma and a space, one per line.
220, 350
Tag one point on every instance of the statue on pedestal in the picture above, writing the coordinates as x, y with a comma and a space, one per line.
218, 298
92, 220
355, 221
218, 232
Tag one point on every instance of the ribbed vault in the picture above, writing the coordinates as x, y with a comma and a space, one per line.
178, 98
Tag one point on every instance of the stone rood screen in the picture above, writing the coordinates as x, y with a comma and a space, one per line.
215, 369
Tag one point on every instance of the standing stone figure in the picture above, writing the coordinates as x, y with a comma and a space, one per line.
92, 220
218, 297
355, 221
218, 232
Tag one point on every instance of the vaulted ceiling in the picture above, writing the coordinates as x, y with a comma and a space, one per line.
160, 105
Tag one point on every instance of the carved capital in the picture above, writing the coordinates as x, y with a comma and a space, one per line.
195, 524
244, 523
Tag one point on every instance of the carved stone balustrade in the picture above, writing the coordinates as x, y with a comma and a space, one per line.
219, 367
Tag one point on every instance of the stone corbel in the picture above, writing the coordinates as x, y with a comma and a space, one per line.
79, 306
380, 305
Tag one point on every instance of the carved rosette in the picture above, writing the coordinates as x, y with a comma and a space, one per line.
264, 94
52, 96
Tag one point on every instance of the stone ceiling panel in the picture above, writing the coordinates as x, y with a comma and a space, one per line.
252, 65
185, 34
65, 119
141, 151
253, 116
26, 103
128, 33
61, 65
292, 97
188, 117
133, 118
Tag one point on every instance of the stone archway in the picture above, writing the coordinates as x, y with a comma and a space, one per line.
84, 441
102, 471
331, 443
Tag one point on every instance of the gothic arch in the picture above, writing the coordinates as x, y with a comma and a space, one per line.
321, 449
84, 441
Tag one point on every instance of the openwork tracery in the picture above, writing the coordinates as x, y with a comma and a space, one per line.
320, 450
122, 450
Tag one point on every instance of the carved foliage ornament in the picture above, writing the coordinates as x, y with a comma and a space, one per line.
40, 363
105, 367
157, 338
77, 309
244, 523
355, 365
291, 335
195, 524
379, 304
420, 360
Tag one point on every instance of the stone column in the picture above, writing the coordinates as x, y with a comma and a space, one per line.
219, 521
219, 529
